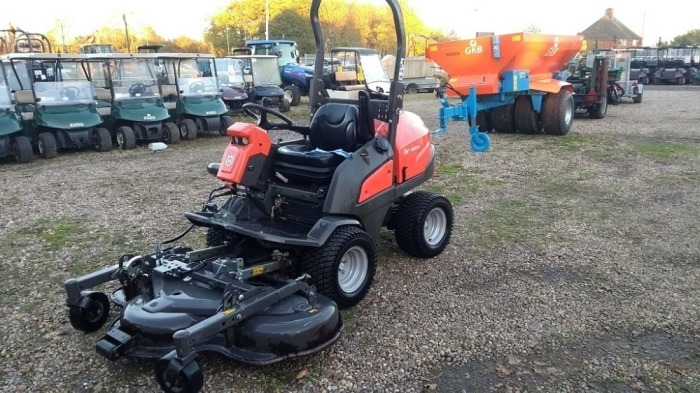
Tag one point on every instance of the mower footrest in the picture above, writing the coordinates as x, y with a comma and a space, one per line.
113, 344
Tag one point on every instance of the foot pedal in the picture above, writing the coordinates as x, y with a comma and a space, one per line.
113, 344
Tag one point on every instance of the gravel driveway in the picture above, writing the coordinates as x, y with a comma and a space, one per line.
574, 264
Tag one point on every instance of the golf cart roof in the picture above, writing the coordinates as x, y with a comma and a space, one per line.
251, 57
269, 42
362, 51
45, 56
121, 56
678, 47
183, 55
642, 47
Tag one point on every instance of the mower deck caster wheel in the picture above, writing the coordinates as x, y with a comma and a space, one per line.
174, 377
92, 312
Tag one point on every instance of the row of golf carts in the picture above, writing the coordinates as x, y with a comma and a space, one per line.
53, 101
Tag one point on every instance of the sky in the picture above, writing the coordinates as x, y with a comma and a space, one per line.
651, 19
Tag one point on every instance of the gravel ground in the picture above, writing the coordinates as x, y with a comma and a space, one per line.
573, 265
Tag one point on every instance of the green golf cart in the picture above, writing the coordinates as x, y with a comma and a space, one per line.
56, 99
126, 87
14, 142
190, 90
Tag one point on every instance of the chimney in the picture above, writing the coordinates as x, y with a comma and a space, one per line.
609, 13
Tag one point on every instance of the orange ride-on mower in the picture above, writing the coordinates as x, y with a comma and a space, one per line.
293, 242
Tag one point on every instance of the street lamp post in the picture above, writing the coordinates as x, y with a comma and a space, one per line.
267, 21
228, 47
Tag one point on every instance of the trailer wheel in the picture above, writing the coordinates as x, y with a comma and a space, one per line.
598, 111
292, 94
343, 268
526, 119
412, 88
637, 99
171, 134
126, 139
225, 123
188, 130
22, 149
503, 118
46, 144
424, 224
558, 113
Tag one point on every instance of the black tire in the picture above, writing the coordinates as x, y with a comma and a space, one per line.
201, 126
178, 379
558, 113
171, 134
412, 88
284, 106
526, 119
101, 140
645, 80
22, 149
219, 237
637, 99
680, 80
91, 314
326, 264
418, 211
188, 130
46, 144
503, 118
226, 122
598, 111
483, 120
125, 137
292, 94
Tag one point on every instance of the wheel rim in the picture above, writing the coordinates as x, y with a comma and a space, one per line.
96, 140
183, 130
120, 139
569, 114
41, 147
435, 226
352, 270
94, 311
173, 381
288, 95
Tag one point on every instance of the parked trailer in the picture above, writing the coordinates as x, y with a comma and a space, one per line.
510, 78
418, 73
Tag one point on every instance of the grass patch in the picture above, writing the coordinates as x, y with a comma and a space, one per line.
455, 199
436, 188
11, 201
494, 183
54, 234
450, 169
588, 175
510, 222
350, 319
665, 151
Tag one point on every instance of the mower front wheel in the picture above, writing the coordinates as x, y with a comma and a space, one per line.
174, 377
171, 134
188, 129
284, 106
424, 224
126, 139
343, 268
91, 313
226, 122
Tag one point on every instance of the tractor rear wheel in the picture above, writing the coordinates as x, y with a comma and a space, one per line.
22, 149
598, 111
188, 130
558, 113
171, 134
503, 118
126, 139
424, 224
292, 94
46, 144
343, 268
226, 122
526, 119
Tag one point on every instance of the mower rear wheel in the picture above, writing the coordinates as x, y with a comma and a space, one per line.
292, 94
171, 134
343, 268
173, 377
526, 119
424, 224
126, 139
188, 130
91, 314
226, 122
101, 139
46, 144
22, 149
284, 106
503, 118
598, 111
558, 112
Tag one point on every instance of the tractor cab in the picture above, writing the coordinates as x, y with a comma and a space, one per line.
354, 69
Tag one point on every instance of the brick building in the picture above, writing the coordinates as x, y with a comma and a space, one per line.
609, 33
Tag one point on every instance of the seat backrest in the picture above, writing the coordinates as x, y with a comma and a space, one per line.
24, 97
169, 90
334, 126
103, 94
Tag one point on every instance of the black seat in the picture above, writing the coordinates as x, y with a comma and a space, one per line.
333, 127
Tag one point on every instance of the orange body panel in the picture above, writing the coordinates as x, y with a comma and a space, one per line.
380, 180
413, 148
235, 160
472, 62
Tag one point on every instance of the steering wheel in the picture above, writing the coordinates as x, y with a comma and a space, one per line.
70, 92
196, 87
262, 118
137, 88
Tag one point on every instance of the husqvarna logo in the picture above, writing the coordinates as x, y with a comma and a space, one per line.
473, 48
229, 160
553, 50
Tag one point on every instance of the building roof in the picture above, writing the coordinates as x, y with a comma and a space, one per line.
609, 28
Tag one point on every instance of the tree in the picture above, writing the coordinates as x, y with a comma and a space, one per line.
690, 38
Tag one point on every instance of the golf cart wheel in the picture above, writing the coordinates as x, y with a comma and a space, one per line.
225, 123
173, 377
101, 139
220, 237
343, 268
598, 111
526, 119
188, 130
171, 134
637, 99
126, 139
292, 94
424, 224
91, 314
503, 118
22, 149
558, 113
284, 105
680, 80
46, 144
201, 126
412, 88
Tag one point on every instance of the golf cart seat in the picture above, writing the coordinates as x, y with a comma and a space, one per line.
25, 101
333, 127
